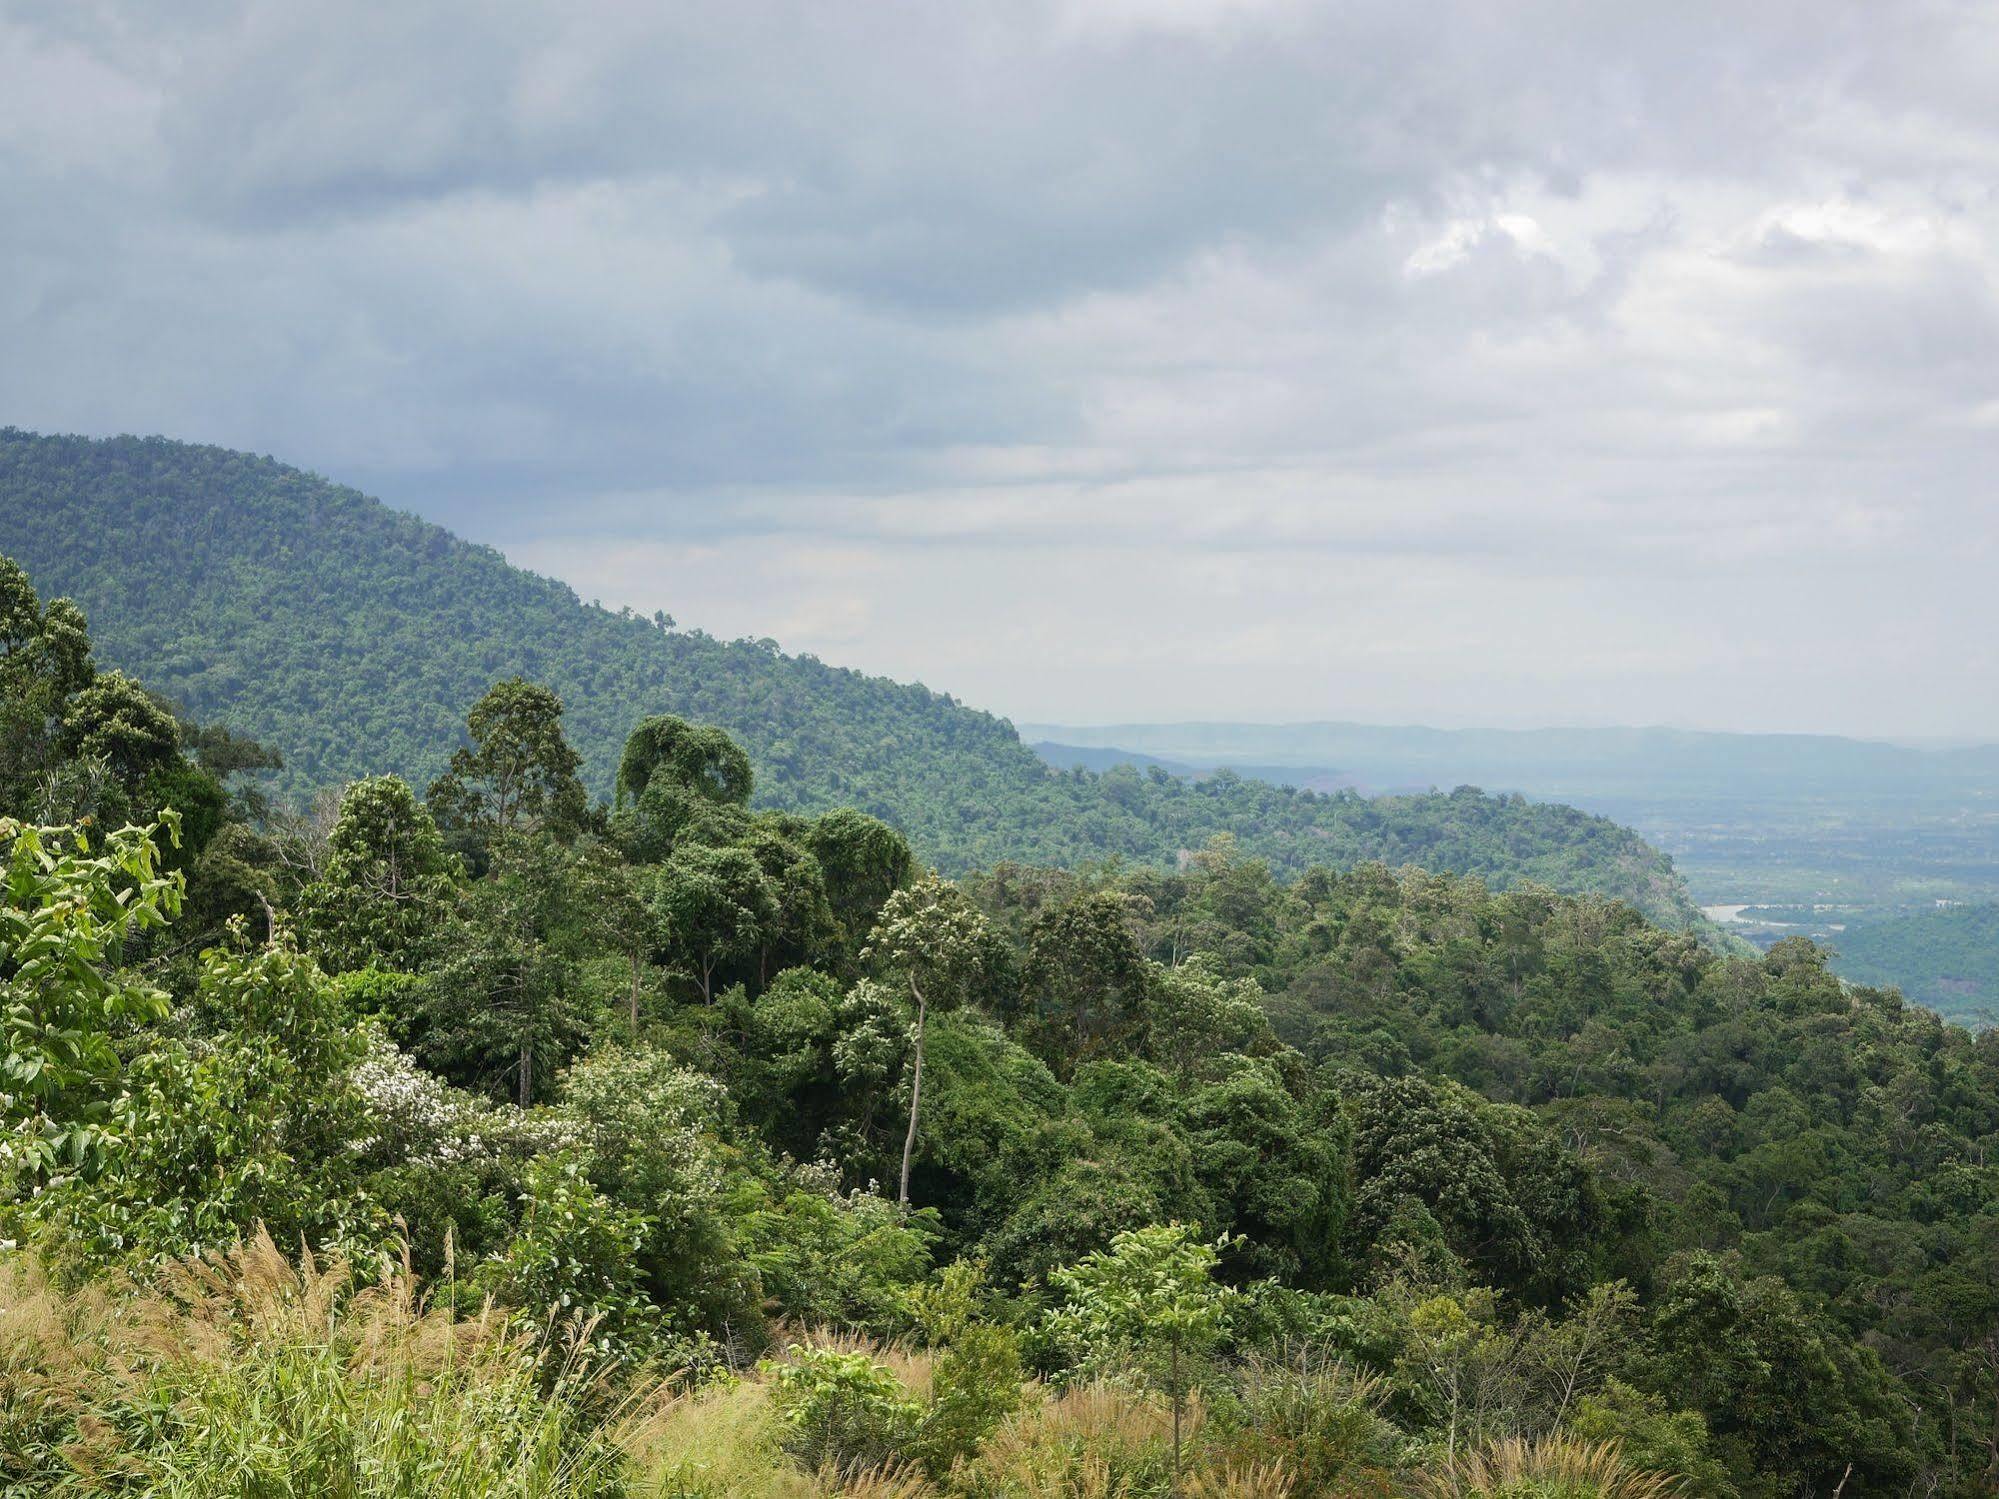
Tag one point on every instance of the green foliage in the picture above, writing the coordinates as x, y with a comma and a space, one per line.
842, 1411
975, 1371
44, 662
572, 1266
517, 775
1947, 959
63, 997
710, 906
1154, 1287
1452, 1180
1775, 1382
499, 1008
652, 1129
1654, 1437
387, 883
696, 760
1148, 1305
1318, 1418
1512, 1192
944, 949
822, 1255
251, 1120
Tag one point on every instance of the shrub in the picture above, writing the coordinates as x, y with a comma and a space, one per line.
843, 1411
1095, 1440
1317, 1419
572, 1266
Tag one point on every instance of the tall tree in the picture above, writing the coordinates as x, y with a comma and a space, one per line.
804, 929
1086, 974
44, 661
500, 1009
698, 759
865, 861
518, 773
943, 947
680, 783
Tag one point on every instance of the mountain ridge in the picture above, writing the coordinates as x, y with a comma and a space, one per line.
355, 636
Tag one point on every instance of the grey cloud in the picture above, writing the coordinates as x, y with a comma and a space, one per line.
1556, 312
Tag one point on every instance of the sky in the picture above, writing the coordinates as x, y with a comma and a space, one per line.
1546, 363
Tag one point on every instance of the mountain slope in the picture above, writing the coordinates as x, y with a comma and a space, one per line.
1947, 959
354, 638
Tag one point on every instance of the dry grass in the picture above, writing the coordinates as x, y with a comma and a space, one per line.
1267, 1480
720, 1440
1090, 1442
1546, 1468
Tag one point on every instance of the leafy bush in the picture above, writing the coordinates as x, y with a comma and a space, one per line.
572, 1266
1316, 1419
843, 1411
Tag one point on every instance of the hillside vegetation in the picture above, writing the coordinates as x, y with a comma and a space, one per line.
353, 639
1947, 959
482, 1143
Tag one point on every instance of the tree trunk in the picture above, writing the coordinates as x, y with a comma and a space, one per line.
635, 992
915, 1093
527, 1072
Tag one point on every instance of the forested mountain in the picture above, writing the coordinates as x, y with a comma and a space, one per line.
354, 638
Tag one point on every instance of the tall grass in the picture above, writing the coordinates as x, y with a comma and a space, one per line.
250, 1377
1553, 1467
244, 1375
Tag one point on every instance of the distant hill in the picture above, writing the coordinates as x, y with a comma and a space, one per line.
1806, 819
1947, 959
1102, 758
354, 638
1599, 762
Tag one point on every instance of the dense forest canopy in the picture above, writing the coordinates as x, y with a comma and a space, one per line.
473, 1139
353, 640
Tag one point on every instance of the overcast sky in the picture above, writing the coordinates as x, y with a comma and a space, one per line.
1449, 363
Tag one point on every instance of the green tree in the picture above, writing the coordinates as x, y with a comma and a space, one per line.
940, 944
864, 862
252, 1119
710, 906
803, 929
118, 722
503, 1001
517, 774
1085, 974
694, 758
1778, 1385
387, 883
1149, 1302
44, 662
